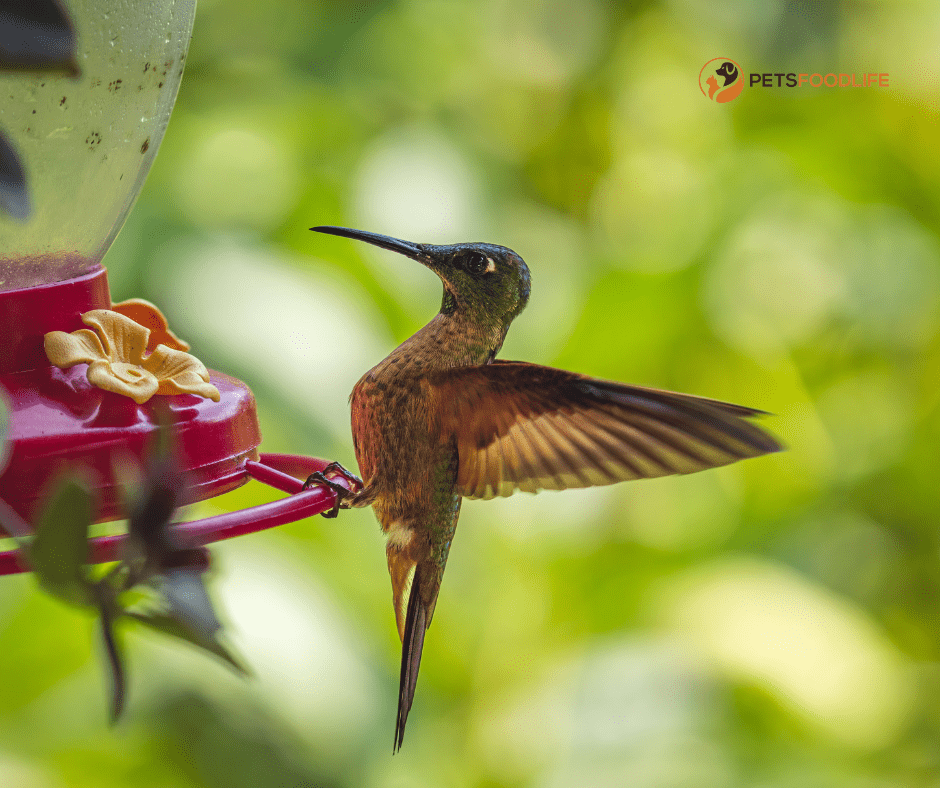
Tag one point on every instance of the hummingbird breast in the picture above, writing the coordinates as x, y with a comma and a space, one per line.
397, 436
407, 462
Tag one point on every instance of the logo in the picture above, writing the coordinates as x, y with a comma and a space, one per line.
721, 80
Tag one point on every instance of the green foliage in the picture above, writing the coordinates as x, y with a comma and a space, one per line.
774, 623
59, 552
175, 601
183, 627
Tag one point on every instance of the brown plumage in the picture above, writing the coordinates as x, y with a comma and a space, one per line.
441, 419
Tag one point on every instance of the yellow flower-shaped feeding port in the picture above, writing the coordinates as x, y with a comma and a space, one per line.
149, 316
114, 352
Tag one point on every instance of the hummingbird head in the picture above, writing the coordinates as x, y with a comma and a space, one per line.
484, 282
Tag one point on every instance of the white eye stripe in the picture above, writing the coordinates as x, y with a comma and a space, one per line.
490, 265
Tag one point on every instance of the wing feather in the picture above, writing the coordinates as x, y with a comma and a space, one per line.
565, 444
527, 427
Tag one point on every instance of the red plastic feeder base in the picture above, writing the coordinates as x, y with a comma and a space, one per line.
60, 422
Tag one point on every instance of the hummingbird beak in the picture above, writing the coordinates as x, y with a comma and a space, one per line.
414, 251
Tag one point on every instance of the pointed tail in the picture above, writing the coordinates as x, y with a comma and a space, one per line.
412, 644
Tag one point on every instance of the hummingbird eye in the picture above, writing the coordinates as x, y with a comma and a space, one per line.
477, 263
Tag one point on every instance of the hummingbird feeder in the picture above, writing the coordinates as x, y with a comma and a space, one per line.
89, 382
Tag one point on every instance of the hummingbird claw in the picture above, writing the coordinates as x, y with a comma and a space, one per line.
319, 477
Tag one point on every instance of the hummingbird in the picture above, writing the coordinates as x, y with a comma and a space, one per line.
442, 419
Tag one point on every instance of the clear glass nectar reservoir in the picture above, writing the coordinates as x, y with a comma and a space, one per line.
87, 142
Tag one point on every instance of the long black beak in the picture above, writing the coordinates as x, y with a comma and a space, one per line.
414, 251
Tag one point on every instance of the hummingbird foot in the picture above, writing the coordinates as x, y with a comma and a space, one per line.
319, 477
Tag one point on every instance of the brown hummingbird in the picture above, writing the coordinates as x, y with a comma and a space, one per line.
441, 419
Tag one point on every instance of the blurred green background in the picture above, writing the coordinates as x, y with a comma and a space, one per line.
772, 624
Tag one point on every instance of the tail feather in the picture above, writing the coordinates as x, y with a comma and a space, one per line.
416, 622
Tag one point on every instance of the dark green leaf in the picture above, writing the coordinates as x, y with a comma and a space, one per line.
151, 542
188, 601
117, 674
152, 512
60, 549
169, 625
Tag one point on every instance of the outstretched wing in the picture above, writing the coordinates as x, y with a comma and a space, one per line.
527, 427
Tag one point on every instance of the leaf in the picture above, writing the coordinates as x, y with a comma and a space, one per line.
188, 601
116, 673
150, 517
169, 625
60, 549
151, 542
